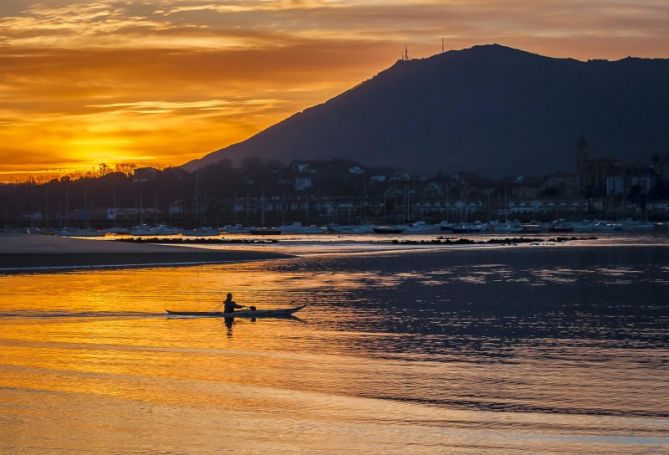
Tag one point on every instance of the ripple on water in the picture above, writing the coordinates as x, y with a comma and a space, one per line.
432, 353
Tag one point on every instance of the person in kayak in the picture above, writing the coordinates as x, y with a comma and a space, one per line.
229, 305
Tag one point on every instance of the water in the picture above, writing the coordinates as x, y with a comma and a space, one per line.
508, 350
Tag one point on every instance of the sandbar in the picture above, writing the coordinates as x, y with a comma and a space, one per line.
34, 252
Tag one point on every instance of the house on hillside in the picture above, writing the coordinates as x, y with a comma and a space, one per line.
630, 180
400, 177
144, 174
564, 184
303, 183
302, 168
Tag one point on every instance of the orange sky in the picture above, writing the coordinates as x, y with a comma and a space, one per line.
166, 81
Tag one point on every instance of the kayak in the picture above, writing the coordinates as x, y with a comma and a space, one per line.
276, 313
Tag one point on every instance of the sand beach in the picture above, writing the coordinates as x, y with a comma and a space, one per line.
26, 252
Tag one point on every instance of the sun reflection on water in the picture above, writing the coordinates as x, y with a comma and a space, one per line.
445, 352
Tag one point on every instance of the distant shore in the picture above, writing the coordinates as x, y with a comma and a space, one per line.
33, 253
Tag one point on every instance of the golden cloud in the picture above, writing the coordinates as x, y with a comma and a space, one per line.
170, 80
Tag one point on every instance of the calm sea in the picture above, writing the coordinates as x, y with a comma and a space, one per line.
510, 350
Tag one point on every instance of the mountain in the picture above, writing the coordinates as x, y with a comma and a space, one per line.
488, 109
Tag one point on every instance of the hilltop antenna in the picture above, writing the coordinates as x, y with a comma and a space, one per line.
442, 45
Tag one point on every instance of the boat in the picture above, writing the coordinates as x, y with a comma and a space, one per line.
142, 229
421, 227
297, 228
265, 231
605, 226
561, 226
530, 228
204, 231
351, 228
638, 226
505, 228
274, 313
78, 232
444, 226
116, 231
476, 228
583, 226
145, 229
388, 229
234, 229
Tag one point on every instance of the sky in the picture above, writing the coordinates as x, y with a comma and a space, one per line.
161, 82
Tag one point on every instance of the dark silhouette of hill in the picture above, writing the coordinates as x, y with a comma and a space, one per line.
488, 109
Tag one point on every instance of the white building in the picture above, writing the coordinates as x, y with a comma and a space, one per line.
303, 183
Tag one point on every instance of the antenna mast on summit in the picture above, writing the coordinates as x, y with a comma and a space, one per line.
442, 45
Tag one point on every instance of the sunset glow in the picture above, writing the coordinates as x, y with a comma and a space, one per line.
167, 81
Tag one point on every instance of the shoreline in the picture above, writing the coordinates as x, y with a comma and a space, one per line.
24, 253
36, 253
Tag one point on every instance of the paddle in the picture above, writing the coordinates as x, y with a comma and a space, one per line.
252, 308
218, 304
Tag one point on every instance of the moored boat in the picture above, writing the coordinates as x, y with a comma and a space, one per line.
388, 229
505, 228
630, 225
530, 228
234, 229
78, 232
561, 226
203, 231
476, 228
298, 228
421, 227
351, 228
265, 231
161, 229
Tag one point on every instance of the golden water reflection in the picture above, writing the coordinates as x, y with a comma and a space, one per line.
89, 362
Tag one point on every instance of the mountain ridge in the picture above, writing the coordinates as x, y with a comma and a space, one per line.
488, 109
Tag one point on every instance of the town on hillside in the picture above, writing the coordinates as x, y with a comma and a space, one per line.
338, 192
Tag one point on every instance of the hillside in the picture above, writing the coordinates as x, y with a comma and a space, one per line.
488, 109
